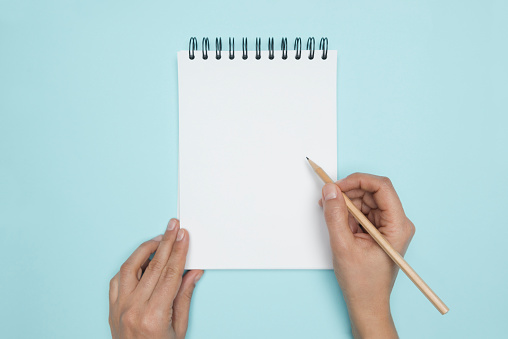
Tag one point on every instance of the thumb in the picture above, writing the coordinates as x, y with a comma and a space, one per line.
182, 302
336, 217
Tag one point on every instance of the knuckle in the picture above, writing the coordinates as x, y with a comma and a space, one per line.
129, 319
354, 175
147, 324
386, 182
169, 273
153, 322
155, 265
412, 228
335, 211
112, 283
125, 268
178, 251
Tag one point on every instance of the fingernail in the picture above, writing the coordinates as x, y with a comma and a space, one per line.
329, 192
196, 279
172, 224
180, 235
158, 238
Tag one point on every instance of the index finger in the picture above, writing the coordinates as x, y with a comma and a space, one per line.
381, 189
171, 276
153, 271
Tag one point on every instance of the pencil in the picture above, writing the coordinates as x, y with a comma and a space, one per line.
385, 245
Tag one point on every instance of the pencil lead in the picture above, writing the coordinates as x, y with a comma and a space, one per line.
307, 158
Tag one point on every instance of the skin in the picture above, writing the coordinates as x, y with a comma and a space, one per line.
151, 299
364, 271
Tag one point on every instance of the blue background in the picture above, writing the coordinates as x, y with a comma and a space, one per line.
89, 143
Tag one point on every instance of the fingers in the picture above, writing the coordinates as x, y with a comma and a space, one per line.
336, 217
113, 289
153, 271
354, 225
381, 188
171, 276
128, 277
376, 197
182, 302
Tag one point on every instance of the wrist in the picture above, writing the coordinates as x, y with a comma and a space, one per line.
372, 320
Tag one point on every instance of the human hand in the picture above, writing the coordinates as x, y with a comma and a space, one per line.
365, 273
149, 298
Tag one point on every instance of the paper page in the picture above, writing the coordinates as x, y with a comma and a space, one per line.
247, 195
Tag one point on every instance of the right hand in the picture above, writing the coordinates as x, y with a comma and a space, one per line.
365, 273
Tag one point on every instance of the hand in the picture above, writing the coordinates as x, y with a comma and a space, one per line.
365, 273
149, 299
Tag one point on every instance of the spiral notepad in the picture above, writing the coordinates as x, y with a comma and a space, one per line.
247, 120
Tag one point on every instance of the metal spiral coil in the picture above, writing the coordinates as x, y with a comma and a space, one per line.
205, 48
218, 48
193, 45
284, 48
323, 45
298, 48
231, 48
258, 48
244, 49
311, 47
270, 49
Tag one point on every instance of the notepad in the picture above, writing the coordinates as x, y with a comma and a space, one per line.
247, 195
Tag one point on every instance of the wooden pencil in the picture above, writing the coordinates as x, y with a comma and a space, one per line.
385, 245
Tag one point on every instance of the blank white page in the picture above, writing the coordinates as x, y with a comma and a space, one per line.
247, 195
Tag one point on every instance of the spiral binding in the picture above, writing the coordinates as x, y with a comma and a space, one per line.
258, 48
323, 45
284, 48
298, 48
231, 48
206, 48
193, 45
244, 49
218, 48
311, 46
270, 48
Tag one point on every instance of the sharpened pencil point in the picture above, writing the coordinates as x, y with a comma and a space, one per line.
307, 158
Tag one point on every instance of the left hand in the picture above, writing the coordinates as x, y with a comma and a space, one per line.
150, 299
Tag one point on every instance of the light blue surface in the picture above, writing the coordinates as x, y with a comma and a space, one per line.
88, 158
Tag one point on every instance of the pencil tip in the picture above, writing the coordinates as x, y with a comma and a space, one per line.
307, 158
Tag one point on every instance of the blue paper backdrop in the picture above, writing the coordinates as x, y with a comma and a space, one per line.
88, 158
